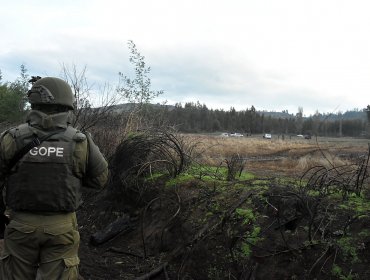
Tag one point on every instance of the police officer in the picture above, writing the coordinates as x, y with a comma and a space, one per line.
43, 186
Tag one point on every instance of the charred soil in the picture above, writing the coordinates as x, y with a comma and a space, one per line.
259, 228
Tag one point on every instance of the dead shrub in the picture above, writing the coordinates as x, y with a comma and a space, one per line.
142, 154
108, 135
345, 179
235, 166
309, 161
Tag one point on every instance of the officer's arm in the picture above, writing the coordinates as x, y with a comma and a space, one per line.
7, 151
97, 167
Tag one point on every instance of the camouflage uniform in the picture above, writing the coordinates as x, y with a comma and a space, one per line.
42, 192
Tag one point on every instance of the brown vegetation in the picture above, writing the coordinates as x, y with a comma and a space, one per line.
289, 156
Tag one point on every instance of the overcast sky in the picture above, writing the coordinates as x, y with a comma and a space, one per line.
273, 54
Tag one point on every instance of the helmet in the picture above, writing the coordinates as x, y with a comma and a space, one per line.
51, 91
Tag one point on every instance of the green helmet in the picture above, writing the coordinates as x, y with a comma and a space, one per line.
51, 91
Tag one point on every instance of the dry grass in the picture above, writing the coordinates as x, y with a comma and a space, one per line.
292, 156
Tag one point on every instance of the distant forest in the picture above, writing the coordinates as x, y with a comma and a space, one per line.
196, 117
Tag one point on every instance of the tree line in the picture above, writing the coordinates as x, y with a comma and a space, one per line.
195, 117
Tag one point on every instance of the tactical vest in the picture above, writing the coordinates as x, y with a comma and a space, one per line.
43, 180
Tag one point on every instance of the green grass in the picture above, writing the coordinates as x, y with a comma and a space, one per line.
251, 237
358, 204
364, 233
347, 245
246, 214
182, 178
154, 176
208, 174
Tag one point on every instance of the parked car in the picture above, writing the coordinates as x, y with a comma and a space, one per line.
225, 134
267, 136
236, 134
307, 136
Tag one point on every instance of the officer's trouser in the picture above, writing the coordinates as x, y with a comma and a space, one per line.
42, 245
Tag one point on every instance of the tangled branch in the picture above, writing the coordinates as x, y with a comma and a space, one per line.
345, 179
142, 154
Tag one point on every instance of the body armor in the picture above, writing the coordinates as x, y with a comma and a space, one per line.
43, 180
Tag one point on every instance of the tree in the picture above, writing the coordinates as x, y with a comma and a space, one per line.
137, 90
367, 110
316, 123
95, 114
299, 120
13, 98
87, 115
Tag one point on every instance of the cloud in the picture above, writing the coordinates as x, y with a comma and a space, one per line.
275, 55
222, 82
211, 76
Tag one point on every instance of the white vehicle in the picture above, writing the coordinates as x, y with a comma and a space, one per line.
267, 136
236, 134
225, 134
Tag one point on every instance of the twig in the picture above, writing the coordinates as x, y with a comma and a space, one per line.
210, 226
288, 251
142, 224
318, 260
120, 251
172, 218
326, 260
154, 272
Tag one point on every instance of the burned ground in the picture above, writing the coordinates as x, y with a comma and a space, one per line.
258, 227
271, 222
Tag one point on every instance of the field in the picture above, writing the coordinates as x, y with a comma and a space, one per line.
290, 156
270, 221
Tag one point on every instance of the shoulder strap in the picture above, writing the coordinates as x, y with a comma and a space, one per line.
36, 141
21, 132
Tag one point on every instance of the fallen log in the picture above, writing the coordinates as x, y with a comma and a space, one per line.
121, 225
120, 251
